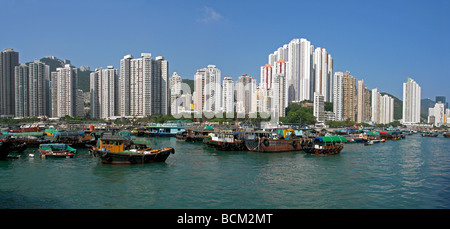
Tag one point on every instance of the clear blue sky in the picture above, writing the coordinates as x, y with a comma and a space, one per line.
381, 42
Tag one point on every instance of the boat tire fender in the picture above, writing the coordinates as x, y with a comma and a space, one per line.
266, 142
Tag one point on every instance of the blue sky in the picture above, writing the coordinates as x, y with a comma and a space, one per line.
381, 42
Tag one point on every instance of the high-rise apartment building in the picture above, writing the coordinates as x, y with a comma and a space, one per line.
9, 59
175, 92
299, 81
32, 90
246, 94
349, 84
64, 91
228, 95
104, 92
143, 86
411, 102
361, 99
338, 96
323, 73
382, 108
208, 90
319, 107
436, 114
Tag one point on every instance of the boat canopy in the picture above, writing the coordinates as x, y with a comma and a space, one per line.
57, 147
373, 133
29, 134
330, 139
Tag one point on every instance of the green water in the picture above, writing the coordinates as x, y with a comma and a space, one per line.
410, 173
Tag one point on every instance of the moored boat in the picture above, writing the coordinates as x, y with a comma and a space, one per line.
56, 150
447, 135
267, 142
326, 145
227, 141
430, 134
112, 150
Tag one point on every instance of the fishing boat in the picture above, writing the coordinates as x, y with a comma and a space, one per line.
226, 140
430, 134
326, 145
56, 150
112, 150
194, 135
263, 141
371, 142
447, 135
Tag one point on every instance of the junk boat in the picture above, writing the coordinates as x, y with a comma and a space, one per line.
263, 141
112, 150
56, 150
326, 145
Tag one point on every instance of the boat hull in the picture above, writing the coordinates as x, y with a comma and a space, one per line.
56, 154
325, 150
132, 158
227, 146
273, 145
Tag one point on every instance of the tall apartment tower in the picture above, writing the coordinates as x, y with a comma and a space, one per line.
32, 90
21, 91
360, 105
144, 86
338, 96
228, 95
175, 92
245, 94
9, 59
323, 73
104, 91
208, 90
299, 81
64, 91
411, 102
349, 90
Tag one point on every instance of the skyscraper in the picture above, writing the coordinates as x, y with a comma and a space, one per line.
338, 96
64, 91
245, 94
349, 97
299, 81
228, 95
208, 90
9, 59
411, 102
32, 90
144, 86
360, 101
323, 73
104, 92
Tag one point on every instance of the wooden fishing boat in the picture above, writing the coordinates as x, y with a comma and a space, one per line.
447, 135
226, 141
56, 150
326, 145
268, 142
430, 134
193, 135
112, 150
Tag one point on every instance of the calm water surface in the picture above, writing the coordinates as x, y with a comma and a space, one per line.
413, 173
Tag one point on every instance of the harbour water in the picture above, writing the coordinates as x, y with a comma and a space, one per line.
413, 173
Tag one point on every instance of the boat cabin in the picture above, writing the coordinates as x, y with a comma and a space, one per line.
111, 143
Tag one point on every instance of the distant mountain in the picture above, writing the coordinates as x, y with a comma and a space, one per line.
190, 83
83, 76
424, 105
